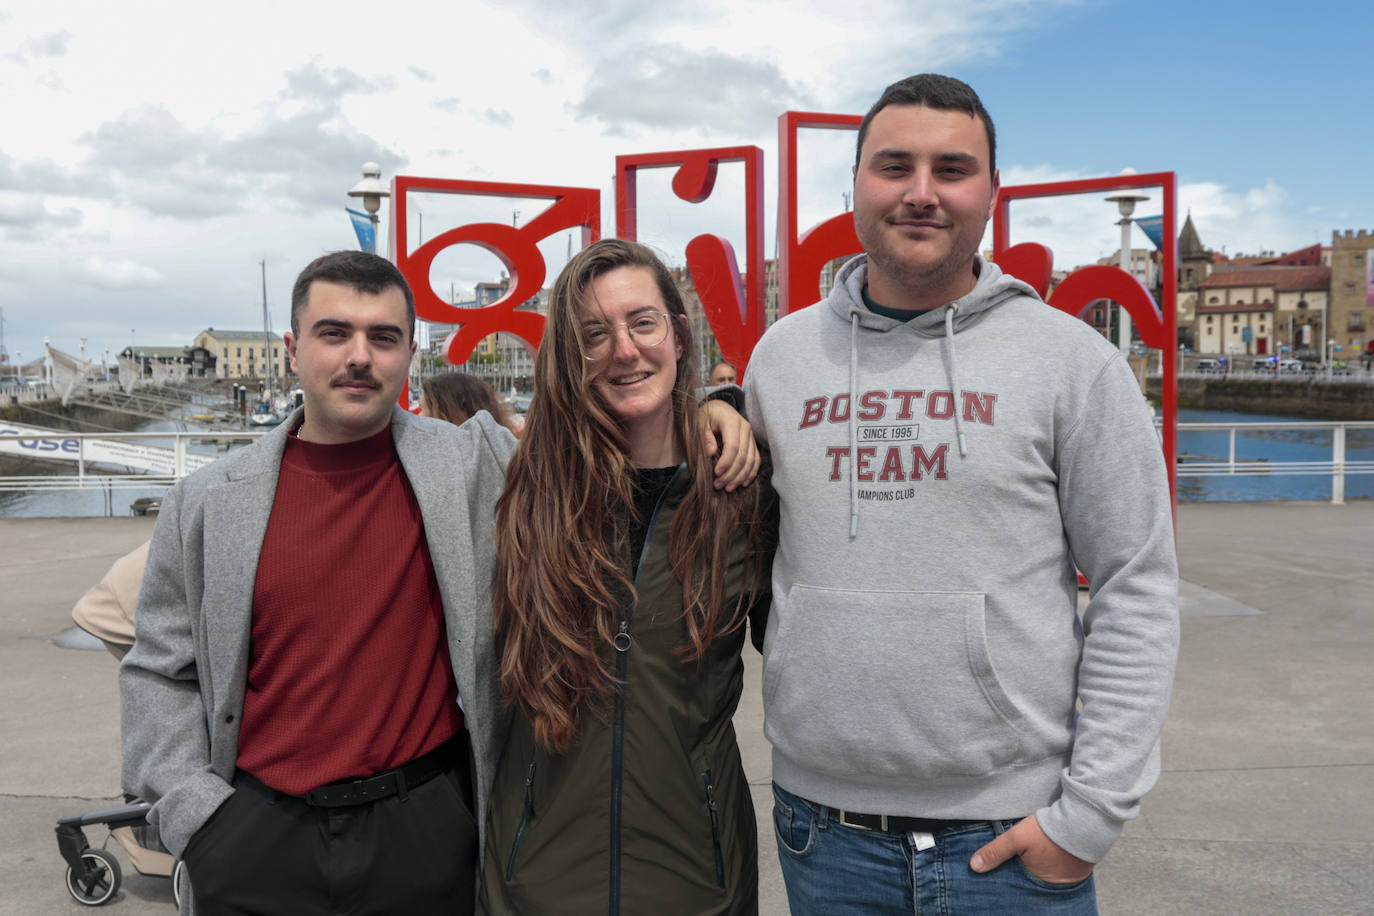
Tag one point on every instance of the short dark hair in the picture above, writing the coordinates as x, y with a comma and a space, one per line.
932, 90
721, 362
363, 271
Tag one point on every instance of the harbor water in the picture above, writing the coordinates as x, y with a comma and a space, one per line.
1263, 445
1267, 445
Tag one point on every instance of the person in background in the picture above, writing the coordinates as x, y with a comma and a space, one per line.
455, 396
948, 734
106, 611
722, 373
624, 582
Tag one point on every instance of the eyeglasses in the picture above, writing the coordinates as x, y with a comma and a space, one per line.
647, 329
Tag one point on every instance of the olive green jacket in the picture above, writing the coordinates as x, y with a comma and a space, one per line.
649, 811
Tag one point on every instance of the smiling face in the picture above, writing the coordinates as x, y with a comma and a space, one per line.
923, 193
635, 381
353, 356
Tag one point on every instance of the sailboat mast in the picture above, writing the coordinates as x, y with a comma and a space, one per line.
266, 337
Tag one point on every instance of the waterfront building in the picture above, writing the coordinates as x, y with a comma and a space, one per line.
504, 360
1258, 310
1352, 292
243, 354
708, 349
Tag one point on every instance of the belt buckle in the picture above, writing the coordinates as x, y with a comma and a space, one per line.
844, 819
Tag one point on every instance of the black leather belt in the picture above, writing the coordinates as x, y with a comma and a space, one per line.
889, 824
384, 785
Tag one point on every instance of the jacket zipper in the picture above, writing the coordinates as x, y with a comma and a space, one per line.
622, 664
524, 822
715, 828
622, 653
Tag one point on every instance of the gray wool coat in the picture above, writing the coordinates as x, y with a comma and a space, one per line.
182, 685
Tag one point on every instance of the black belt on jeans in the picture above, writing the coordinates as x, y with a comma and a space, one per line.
392, 782
890, 824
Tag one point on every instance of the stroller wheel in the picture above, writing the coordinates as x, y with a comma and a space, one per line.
102, 878
177, 871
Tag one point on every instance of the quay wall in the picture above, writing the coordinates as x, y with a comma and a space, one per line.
74, 418
1311, 398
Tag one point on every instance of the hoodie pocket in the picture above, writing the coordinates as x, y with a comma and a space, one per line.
887, 686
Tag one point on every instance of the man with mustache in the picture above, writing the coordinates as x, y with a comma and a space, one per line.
305, 631
311, 702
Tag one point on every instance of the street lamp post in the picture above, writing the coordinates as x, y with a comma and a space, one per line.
371, 190
1323, 337
1125, 204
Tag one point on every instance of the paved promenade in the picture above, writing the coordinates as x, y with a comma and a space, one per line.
1264, 805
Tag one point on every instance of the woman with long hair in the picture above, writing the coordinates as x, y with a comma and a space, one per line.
624, 582
455, 396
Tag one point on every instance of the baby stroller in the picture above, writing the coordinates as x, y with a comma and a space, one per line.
94, 875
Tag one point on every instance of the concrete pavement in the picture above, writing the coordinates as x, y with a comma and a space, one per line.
1268, 779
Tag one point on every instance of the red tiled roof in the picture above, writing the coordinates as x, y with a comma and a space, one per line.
1283, 279
1311, 256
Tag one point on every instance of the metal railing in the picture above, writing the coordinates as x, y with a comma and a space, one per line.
1353, 374
182, 456
166, 457
1338, 467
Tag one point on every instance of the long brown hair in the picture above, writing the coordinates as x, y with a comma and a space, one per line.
455, 396
562, 531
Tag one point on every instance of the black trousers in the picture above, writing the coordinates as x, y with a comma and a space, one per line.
266, 853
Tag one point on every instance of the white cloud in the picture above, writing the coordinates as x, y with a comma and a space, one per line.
118, 273
26, 216
1246, 221
1081, 229
730, 94
52, 44
158, 172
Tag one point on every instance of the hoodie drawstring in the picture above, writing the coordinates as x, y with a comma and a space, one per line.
853, 425
952, 366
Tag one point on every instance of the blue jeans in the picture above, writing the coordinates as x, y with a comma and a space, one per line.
834, 870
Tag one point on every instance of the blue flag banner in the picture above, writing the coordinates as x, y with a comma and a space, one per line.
1153, 227
362, 225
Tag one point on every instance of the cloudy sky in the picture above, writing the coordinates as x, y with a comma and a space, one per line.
154, 153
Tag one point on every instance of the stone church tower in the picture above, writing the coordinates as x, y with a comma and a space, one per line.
1194, 266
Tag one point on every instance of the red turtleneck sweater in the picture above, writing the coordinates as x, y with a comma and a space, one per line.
348, 670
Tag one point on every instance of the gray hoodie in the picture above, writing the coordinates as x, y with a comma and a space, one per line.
924, 655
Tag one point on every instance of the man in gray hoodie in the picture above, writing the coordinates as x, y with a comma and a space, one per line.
949, 735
